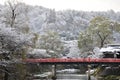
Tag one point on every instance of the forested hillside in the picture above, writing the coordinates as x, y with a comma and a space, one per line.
67, 23
48, 29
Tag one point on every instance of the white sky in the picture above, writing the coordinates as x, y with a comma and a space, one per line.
85, 5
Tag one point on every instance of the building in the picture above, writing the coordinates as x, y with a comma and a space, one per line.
111, 51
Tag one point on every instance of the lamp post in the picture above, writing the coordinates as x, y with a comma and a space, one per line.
89, 77
54, 77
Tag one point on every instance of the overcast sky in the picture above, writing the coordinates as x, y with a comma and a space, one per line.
85, 5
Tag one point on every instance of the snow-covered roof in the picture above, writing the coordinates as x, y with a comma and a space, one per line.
110, 49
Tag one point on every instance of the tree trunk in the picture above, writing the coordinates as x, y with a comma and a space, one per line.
102, 44
6, 74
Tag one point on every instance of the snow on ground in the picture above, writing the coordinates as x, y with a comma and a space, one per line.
91, 71
68, 71
45, 74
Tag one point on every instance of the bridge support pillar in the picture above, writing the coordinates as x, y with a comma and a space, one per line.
89, 75
54, 77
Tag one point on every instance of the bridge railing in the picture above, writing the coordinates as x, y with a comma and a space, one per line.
72, 60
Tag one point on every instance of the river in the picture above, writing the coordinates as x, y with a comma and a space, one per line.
73, 77
70, 77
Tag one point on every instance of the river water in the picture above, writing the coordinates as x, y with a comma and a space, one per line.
73, 77
70, 77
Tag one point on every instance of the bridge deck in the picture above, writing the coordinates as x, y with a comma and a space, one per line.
74, 60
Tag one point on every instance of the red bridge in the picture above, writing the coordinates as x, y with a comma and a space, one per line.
74, 60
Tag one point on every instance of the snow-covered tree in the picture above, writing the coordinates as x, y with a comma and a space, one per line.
72, 47
51, 43
102, 30
85, 42
13, 42
13, 48
15, 15
99, 33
